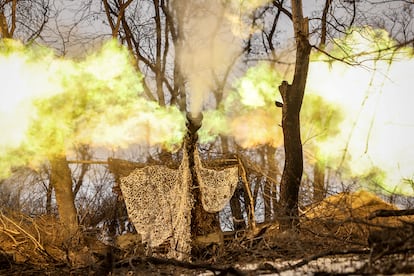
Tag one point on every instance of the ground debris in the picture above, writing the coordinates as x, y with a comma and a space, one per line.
333, 243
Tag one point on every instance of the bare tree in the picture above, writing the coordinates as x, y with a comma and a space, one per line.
24, 20
292, 95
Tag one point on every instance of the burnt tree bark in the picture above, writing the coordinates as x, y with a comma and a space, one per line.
202, 222
292, 95
62, 184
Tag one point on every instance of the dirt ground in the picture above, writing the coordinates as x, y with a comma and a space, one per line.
336, 237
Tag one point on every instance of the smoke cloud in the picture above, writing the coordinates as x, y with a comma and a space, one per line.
248, 113
213, 33
51, 104
355, 118
377, 130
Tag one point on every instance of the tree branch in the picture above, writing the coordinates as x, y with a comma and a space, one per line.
279, 5
390, 213
108, 15
323, 23
13, 19
121, 13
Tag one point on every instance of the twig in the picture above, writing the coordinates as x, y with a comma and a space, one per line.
24, 232
10, 236
254, 167
8, 230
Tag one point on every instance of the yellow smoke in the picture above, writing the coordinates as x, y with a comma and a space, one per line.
356, 117
378, 128
320, 121
51, 103
248, 113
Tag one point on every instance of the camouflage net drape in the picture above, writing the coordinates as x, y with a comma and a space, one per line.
216, 186
159, 201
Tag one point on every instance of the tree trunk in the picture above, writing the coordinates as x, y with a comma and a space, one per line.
270, 185
267, 198
319, 190
235, 204
61, 180
292, 96
236, 209
292, 172
49, 190
202, 222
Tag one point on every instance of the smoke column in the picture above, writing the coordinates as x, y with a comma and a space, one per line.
213, 33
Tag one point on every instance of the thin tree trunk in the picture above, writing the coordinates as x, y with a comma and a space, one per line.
5, 30
62, 183
322, 43
235, 204
272, 172
49, 191
292, 96
236, 209
319, 190
267, 198
249, 199
158, 61
267, 187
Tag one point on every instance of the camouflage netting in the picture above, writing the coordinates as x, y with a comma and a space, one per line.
217, 186
159, 201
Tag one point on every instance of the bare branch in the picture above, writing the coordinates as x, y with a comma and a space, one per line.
279, 5
323, 23
121, 13
108, 15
